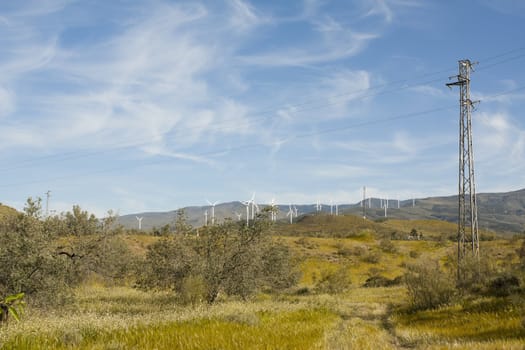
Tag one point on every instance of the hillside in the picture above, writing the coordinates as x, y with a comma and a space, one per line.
6, 211
351, 294
500, 212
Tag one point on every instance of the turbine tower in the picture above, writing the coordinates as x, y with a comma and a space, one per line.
249, 203
273, 211
212, 211
205, 218
468, 238
364, 202
139, 219
290, 214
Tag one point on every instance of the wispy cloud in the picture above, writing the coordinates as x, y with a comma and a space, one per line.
244, 16
336, 45
120, 88
500, 142
380, 8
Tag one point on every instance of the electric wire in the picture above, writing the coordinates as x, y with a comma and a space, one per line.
344, 97
259, 145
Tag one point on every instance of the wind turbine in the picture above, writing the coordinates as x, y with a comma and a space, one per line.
336, 209
212, 211
239, 216
331, 207
274, 209
205, 218
290, 214
295, 211
140, 221
247, 204
255, 207
318, 206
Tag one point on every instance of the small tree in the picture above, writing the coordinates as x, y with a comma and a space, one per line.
428, 286
80, 222
181, 223
231, 258
28, 262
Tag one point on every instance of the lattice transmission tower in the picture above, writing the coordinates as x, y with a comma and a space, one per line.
468, 238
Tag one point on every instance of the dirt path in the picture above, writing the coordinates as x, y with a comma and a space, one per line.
361, 326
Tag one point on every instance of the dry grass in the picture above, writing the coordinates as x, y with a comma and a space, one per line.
361, 318
484, 322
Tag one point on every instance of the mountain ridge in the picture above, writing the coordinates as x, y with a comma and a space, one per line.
497, 211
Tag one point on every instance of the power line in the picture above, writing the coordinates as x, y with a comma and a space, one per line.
263, 145
308, 105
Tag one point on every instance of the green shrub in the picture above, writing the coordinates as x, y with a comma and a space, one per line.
229, 258
333, 282
387, 246
503, 285
372, 258
381, 281
428, 286
414, 254
192, 290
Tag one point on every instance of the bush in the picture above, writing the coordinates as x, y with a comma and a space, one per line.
168, 262
192, 290
228, 258
503, 285
428, 286
28, 263
414, 254
372, 258
333, 282
381, 281
387, 246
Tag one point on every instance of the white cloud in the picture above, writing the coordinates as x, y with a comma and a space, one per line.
345, 92
244, 16
380, 8
331, 41
499, 143
147, 81
511, 96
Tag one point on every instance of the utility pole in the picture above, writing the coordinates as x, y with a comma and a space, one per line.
468, 239
48, 194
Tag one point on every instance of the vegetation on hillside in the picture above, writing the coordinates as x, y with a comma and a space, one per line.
322, 283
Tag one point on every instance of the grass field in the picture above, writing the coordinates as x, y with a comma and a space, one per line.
104, 317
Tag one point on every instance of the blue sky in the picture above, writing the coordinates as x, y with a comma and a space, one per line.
152, 105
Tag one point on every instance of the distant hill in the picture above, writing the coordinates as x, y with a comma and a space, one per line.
501, 212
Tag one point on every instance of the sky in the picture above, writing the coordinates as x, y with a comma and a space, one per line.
137, 106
